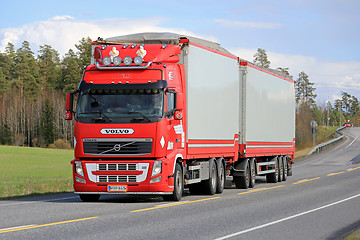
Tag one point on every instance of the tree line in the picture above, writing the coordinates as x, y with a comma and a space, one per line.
32, 93
346, 109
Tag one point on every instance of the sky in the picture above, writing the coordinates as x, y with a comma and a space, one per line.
319, 37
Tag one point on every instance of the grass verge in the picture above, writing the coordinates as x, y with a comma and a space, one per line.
323, 134
26, 171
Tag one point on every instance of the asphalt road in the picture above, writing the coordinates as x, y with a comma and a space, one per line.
320, 201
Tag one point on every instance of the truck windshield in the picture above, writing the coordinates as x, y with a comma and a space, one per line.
120, 106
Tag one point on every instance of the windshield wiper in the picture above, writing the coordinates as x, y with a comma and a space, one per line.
144, 117
101, 118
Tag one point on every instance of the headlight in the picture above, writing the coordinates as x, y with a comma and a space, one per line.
156, 168
79, 169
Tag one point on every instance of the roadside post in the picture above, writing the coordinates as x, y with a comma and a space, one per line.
313, 125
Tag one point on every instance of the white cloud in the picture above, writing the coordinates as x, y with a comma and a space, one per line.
247, 24
63, 32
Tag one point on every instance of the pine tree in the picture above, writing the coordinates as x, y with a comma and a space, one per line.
260, 59
27, 75
84, 52
11, 61
285, 72
49, 67
47, 126
70, 72
304, 90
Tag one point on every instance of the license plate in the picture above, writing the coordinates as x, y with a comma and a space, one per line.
117, 188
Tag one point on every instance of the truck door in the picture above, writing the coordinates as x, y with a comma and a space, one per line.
175, 128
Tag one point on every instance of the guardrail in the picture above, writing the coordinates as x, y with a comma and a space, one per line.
322, 146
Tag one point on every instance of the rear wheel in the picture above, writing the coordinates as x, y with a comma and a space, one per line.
221, 177
273, 177
285, 168
252, 173
242, 182
281, 168
89, 197
210, 185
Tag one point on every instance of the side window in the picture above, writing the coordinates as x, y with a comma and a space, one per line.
170, 103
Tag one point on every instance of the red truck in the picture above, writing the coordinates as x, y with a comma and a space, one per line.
160, 112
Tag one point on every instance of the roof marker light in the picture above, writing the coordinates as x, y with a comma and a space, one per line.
127, 60
164, 46
125, 45
138, 60
134, 45
103, 47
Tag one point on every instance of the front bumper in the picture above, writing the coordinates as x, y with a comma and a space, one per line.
136, 176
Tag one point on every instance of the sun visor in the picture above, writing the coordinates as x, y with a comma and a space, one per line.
160, 84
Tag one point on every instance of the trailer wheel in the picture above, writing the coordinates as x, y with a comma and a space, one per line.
289, 167
273, 177
89, 197
281, 168
252, 173
242, 182
285, 168
178, 185
211, 184
221, 177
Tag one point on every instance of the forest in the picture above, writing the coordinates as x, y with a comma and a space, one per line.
33, 88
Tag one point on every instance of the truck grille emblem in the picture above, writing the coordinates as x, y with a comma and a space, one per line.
117, 147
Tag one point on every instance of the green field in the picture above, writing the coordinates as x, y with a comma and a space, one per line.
25, 171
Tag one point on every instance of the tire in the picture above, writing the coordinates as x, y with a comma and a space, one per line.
289, 167
285, 166
89, 197
252, 173
242, 182
273, 177
281, 168
178, 185
220, 182
211, 184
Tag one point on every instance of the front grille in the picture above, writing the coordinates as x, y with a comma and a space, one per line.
117, 167
116, 179
117, 147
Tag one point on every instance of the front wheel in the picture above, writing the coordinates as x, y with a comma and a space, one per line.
178, 185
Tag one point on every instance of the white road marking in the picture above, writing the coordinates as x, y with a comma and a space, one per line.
352, 142
4, 229
285, 219
39, 201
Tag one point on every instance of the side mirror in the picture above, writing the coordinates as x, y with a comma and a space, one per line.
179, 102
69, 106
69, 102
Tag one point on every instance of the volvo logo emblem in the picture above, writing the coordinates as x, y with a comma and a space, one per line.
117, 147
